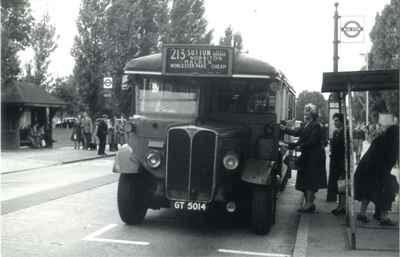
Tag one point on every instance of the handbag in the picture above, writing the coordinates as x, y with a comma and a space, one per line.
298, 162
341, 183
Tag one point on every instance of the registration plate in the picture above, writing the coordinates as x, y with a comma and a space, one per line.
190, 206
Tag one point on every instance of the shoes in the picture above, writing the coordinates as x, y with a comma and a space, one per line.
388, 222
362, 218
310, 209
338, 211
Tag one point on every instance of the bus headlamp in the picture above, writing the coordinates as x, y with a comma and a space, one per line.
130, 127
231, 161
153, 159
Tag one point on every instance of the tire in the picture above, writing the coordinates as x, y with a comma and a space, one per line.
262, 209
131, 196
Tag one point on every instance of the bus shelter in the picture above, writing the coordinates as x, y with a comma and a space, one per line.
343, 84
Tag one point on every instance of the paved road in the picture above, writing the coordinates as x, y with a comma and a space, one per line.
85, 222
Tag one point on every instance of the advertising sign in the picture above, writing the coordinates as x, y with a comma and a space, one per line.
197, 60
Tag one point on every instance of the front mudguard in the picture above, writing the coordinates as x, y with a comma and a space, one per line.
258, 172
125, 161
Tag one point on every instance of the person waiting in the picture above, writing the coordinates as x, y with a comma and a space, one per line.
373, 181
311, 174
101, 133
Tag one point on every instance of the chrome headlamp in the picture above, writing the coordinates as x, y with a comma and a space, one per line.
153, 159
231, 161
130, 127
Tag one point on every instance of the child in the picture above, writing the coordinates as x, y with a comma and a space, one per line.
76, 135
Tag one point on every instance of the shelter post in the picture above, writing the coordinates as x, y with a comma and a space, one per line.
351, 169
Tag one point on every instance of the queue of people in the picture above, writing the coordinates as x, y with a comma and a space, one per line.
92, 136
373, 181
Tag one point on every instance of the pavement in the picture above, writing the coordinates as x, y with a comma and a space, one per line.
24, 159
318, 234
324, 234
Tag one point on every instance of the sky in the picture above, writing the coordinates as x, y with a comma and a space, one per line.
296, 37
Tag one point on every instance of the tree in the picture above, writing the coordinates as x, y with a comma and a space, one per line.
88, 51
385, 50
238, 41
231, 39
66, 89
28, 76
43, 43
134, 28
16, 20
226, 40
313, 97
187, 23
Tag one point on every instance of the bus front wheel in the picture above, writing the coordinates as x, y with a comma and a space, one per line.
262, 209
132, 205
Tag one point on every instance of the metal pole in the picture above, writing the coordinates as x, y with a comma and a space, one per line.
346, 161
367, 94
336, 46
331, 195
351, 180
336, 39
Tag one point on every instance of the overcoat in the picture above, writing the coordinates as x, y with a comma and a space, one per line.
311, 174
337, 159
372, 179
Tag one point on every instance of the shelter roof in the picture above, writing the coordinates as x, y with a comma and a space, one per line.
28, 94
360, 80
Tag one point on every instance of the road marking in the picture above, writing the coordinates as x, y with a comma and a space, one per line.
253, 253
100, 231
94, 237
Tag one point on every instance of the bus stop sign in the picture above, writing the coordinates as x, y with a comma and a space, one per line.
107, 82
352, 29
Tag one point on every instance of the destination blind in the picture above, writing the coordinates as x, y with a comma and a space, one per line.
197, 60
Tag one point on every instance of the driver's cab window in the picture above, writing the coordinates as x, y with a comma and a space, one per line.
246, 96
174, 97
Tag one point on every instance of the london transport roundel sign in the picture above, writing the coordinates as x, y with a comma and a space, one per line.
352, 29
107, 82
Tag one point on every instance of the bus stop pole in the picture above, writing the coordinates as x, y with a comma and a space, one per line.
351, 166
342, 99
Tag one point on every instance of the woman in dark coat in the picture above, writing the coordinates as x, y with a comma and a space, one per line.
311, 174
337, 162
373, 181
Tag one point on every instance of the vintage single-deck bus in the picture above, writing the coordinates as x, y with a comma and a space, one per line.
204, 134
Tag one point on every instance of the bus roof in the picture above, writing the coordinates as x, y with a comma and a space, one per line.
244, 66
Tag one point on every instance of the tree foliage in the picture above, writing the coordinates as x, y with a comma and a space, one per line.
231, 39
227, 39
385, 52
16, 20
313, 97
66, 89
113, 32
134, 28
88, 51
187, 23
43, 43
